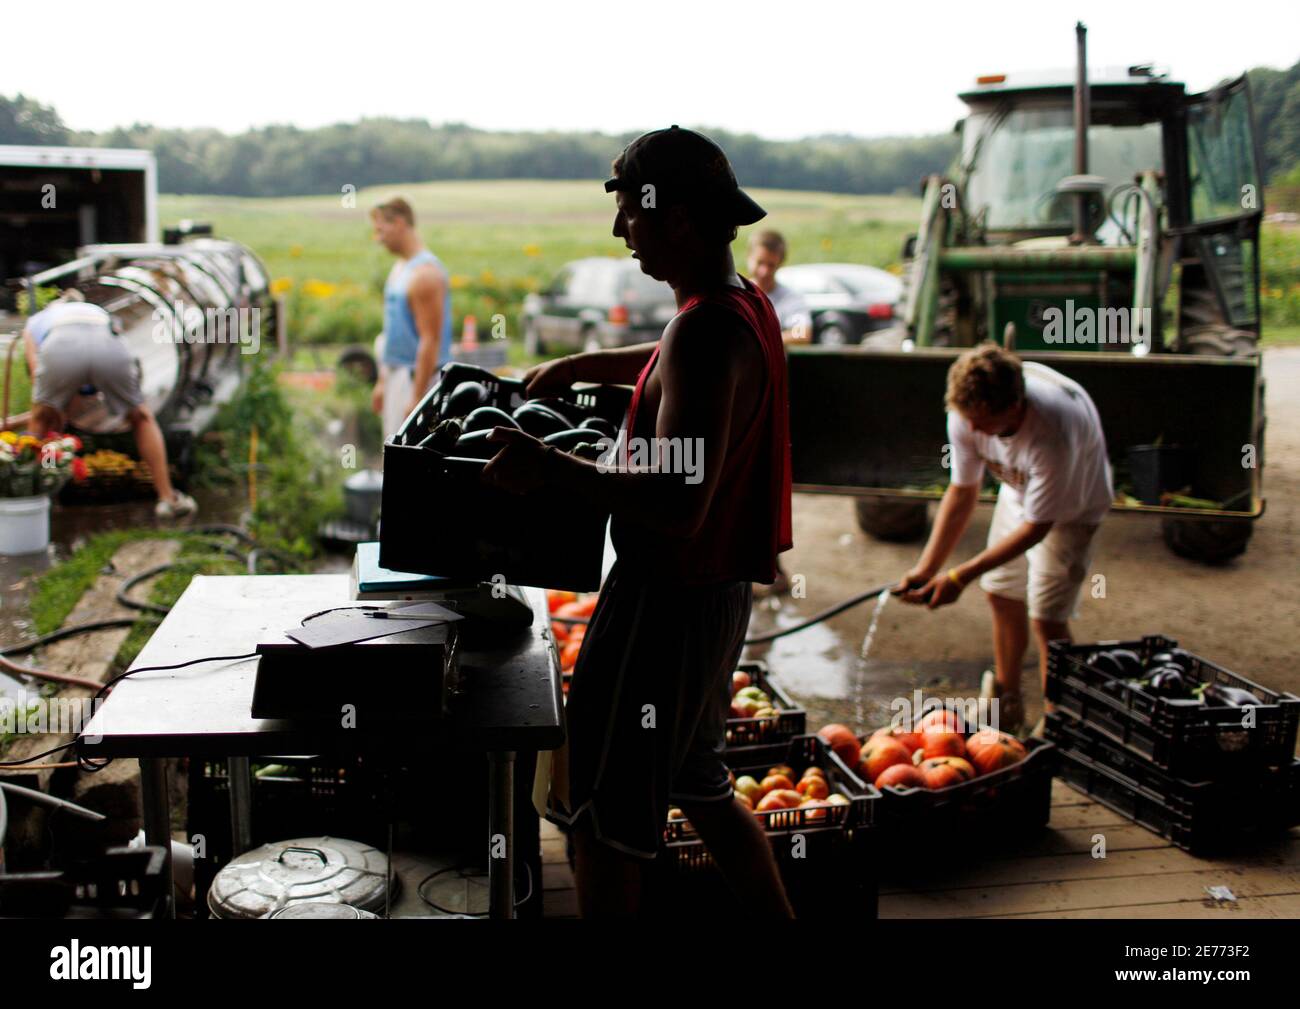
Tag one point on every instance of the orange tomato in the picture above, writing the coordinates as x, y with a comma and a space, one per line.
777, 782
813, 788
561, 631
569, 655
555, 598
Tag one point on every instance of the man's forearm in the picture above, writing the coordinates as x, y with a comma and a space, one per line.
950, 523
1027, 536
620, 366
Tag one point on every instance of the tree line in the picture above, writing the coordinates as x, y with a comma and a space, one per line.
288, 161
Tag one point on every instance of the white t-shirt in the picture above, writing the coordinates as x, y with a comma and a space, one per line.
791, 310
1056, 464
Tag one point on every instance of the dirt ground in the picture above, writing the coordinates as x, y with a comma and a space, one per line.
1244, 616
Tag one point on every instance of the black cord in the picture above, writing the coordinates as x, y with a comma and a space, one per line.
464, 873
67, 632
33, 759
175, 665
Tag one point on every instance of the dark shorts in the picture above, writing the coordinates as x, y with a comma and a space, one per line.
647, 708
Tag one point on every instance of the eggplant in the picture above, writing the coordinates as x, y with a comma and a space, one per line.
567, 441
466, 398
1168, 681
444, 435
601, 426
539, 421
1234, 697
1106, 664
563, 408
475, 445
1130, 661
487, 417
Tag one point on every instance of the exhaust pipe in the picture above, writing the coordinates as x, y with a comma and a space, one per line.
1082, 116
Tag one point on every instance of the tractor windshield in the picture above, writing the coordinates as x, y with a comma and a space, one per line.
1016, 158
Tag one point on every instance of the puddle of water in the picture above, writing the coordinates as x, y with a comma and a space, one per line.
834, 678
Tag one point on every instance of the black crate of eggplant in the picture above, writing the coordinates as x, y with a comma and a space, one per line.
820, 834
761, 712
1203, 817
1189, 717
439, 518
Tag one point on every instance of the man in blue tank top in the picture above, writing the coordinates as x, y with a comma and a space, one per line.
417, 316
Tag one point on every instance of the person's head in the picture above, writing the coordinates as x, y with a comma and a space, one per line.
766, 254
394, 224
678, 201
986, 385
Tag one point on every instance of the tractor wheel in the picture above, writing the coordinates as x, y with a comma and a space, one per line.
360, 363
1207, 541
892, 521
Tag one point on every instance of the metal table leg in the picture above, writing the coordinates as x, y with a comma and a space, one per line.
240, 778
157, 819
501, 834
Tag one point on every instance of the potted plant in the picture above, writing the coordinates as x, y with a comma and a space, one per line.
32, 470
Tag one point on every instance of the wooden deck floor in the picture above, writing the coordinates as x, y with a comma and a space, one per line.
1056, 876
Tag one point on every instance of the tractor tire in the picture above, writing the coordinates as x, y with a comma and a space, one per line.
1207, 541
892, 521
360, 363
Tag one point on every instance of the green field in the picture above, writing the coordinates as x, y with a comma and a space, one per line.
501, 239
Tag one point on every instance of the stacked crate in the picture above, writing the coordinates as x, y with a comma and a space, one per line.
1203, 775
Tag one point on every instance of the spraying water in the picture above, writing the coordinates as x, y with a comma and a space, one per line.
859, 705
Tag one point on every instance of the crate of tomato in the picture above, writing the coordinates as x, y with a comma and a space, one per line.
942, 777
812, 807
761, 712
1191, 718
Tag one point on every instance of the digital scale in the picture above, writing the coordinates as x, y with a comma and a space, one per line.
390, 656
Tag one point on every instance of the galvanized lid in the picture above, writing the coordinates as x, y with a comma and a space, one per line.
316, 869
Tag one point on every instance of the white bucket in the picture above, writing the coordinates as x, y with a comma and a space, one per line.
24, 524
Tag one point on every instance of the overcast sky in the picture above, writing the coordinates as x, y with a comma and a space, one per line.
780, 70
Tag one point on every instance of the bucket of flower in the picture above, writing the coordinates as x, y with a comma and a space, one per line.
32, 470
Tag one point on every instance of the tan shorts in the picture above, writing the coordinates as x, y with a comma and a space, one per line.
74, 355
1048, 576
399, 385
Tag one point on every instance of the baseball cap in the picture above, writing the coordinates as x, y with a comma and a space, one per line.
684, 165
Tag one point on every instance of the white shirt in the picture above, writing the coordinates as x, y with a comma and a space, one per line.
791, 310
1055, 464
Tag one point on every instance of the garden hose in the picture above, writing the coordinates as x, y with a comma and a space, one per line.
764, 638
122, 597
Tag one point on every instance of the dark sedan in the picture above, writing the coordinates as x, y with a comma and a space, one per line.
847, 301
595, 303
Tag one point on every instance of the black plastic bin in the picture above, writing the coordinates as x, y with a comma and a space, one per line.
916, 823
1186, 739
1202, 817
828, 866
438, 518
744, 733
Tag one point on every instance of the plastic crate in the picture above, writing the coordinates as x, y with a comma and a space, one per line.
799, 753
553, 541
743, 733
1186, 739
1015, 798
1200, 817
829, 871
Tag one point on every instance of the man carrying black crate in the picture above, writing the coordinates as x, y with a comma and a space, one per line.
699, 490
1039, 433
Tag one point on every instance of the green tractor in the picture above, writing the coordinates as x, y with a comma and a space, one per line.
1108, 228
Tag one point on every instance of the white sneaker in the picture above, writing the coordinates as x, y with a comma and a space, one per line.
180, 504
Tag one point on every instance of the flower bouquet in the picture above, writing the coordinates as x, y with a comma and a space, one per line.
33, 467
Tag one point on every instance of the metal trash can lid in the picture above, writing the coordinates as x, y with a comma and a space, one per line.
329, 869
320, 909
